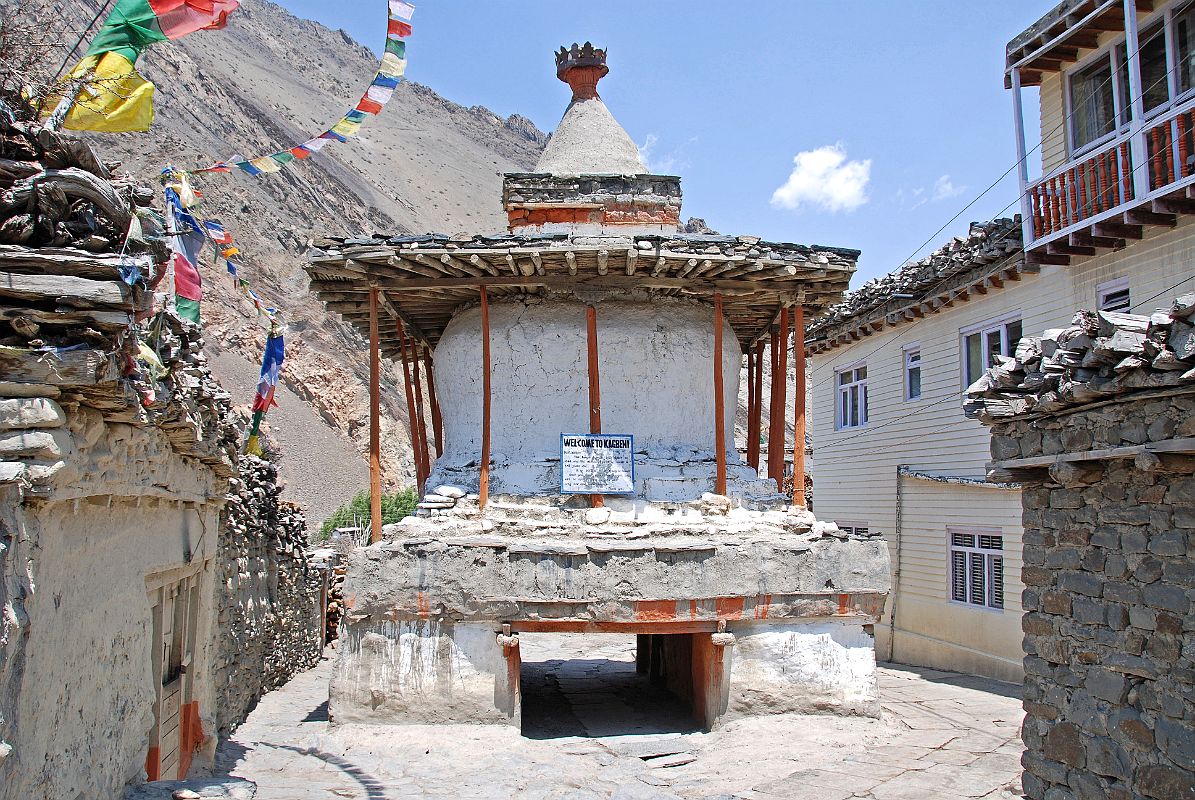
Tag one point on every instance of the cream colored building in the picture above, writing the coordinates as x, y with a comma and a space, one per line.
1104, 227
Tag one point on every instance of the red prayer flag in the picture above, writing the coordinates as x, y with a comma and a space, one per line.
399, 28
300, 152
369, 106
177, 18
186, 279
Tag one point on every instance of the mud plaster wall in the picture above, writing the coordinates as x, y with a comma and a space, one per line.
81, 673
656, 365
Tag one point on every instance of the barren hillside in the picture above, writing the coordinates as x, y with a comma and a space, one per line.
425, 164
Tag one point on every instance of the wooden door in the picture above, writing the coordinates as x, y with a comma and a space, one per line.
175, 614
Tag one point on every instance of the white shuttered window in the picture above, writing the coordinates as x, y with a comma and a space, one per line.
977, 568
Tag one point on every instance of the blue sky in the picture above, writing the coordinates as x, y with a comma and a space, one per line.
876, 121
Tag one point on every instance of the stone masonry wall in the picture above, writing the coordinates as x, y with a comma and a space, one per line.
1109, 626
269, 595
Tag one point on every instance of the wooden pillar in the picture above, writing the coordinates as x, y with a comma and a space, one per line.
484, 483
375, 415
412, 414
776, 437
424, 449
437, 419
755, 406
719, 399
799, 407
595, 385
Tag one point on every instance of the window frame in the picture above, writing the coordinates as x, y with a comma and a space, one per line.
840, 424
983, 328
1114, 286
906, 353
989, 568
1166, 18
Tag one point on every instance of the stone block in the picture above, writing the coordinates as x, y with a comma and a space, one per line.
1128, 728
1131, 515
1122, 592
1064, 744
30, 412
1148, 570
1167, 598
1118, 616
1108, 538
1088, 611
1105, 757
1176, 739
1087, 786
1037, 576
1044, 767
1081, 583
1143, 617
1063, 558
1106, 685
1168, 543
1164, 782
1056, 602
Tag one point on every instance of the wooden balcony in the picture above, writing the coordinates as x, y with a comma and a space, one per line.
1101, 200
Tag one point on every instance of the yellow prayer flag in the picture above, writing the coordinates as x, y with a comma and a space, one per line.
346, 127
113, 98
266, 164
392, 66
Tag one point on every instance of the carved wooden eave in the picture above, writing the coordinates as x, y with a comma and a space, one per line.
981, 280
425, 281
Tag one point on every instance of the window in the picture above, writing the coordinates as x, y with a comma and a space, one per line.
977, 569
854, 528
1114, 296
852, 397
1184, 37
1093, 103
983, 343
912, 356
1100, 105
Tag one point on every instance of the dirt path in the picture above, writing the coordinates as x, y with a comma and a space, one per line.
594, 729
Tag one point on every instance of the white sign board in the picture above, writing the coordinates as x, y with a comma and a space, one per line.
597, 463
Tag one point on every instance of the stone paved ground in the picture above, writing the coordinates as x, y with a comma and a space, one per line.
595, 730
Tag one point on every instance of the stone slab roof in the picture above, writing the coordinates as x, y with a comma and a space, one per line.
980, 262
426, 279
1100, 355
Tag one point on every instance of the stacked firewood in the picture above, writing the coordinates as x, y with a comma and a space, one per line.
1100, 354
55, 192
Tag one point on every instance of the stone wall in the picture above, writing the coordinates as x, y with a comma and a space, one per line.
1097, 423
270, 597
1109, 543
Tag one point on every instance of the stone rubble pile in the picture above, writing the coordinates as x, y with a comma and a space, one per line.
1100, 355
271, 620
985, 243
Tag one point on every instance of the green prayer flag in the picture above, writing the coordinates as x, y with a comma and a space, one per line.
187, 309
130, 28
397, 47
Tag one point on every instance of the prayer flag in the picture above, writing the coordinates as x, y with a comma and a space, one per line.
369, 106
111, 95
217, 233
271, 366
398, 28
400, 9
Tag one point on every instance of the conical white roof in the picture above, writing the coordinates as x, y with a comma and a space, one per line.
589, 141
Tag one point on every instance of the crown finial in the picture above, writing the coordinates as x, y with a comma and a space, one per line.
581, 67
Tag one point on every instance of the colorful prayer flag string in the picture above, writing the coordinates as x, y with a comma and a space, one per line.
271, 366
390, 71
110, 95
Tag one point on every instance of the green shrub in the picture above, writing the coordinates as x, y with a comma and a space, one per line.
355, 513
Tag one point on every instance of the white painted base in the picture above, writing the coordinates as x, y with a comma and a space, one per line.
820, 666
423, 672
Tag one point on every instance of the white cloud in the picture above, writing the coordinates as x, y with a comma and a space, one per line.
825, 179
670, 163
944, 189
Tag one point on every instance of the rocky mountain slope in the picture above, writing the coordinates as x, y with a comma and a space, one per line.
267, 81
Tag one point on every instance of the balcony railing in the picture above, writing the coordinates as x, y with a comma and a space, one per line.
1099, 185
1083, 189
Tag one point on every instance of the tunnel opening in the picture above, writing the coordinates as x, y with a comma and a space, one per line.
612, 684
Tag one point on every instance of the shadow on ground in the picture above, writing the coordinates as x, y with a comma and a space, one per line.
597, 697
1010, 690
